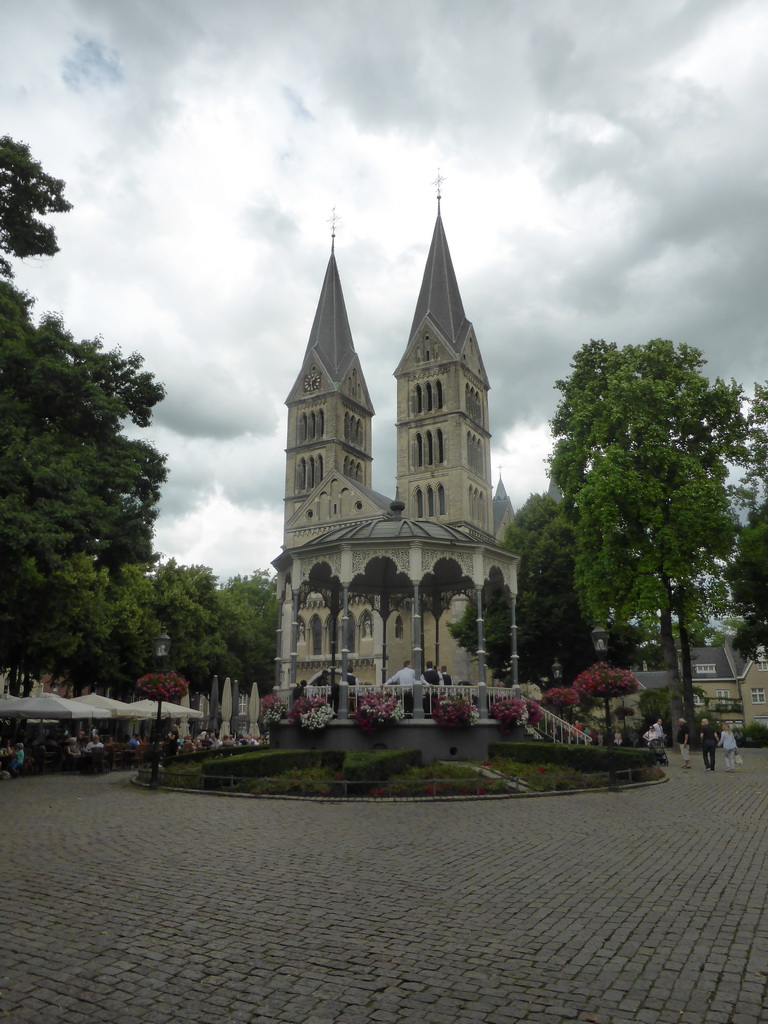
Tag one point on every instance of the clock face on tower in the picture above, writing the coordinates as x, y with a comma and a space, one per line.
312, 382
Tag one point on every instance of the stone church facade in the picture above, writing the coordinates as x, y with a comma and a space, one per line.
363, 578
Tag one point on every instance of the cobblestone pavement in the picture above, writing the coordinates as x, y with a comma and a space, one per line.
122, 906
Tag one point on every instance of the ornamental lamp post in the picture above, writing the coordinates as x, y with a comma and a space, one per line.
600, 642
557, 671
162, 650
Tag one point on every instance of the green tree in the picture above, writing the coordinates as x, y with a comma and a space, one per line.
26, 194
73, 484
187, 604
748, 577
248, 613
643, 446
550, 620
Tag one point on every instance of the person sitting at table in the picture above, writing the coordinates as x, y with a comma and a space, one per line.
94, 744
17, 760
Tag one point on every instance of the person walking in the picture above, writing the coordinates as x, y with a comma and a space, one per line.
683, 738
709, 740
728, 743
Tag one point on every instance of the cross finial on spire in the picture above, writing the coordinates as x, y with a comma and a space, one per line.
438, 183
333, 220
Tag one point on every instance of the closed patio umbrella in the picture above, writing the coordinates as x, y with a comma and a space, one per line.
213, 707
235, 708
226, 707
254, 707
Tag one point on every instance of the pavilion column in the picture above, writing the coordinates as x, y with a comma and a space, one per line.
384, 621
416, 631
514, 658
294, 635
344, 631
480, 636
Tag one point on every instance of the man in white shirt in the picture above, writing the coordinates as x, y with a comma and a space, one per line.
405, 678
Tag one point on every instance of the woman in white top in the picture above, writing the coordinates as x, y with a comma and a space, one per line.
728, 743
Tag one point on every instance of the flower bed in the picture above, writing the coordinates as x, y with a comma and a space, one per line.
376, 710
454, 712
273, 709
513, 711
311, 713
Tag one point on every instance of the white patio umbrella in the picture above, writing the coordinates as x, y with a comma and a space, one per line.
226, 707
50, 707
119, 708
254, 706
184, 730
169, 710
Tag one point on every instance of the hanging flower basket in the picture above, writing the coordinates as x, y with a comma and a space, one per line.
162, 686
603, 680
513, 711
622, 711
311, 713
560, 697
454, 712
273, 709
376, 711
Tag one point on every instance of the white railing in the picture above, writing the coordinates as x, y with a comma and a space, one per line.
559, 730
550, 726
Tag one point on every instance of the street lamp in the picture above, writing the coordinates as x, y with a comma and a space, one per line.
162, 650
557, 671
600, 642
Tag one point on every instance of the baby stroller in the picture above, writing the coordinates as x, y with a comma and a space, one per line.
659, 751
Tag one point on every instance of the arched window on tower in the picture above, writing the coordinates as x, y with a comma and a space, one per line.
359, 474
419, 450
319, 468
311, 472
301, 475
316, 632
430, 454
440, 453
398, 628
441, 499
312, 425
469, 450
419, 503
321, 424
430, 502
418, 401
428, 396
438, 395
346, 426
303, 427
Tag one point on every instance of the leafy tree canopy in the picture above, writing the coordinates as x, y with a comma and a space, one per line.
78, 496
26, 194
748, 577
644, 441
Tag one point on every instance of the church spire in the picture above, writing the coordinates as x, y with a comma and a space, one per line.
439, 298
331, 337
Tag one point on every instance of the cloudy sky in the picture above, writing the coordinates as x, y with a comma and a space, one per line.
605, 169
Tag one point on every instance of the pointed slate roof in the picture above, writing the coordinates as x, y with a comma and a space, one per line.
439, 297
331, 337
501, 505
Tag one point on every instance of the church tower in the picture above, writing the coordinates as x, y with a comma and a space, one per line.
443, 441
328, 455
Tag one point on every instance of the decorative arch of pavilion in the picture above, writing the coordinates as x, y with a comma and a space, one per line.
393, 565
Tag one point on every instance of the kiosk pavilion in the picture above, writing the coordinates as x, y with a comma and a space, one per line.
363, 578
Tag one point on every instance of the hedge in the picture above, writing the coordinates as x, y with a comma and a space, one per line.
198, 756
580, 758
269, 763
377, 765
